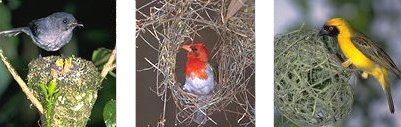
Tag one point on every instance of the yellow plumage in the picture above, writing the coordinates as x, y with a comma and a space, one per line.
363, 53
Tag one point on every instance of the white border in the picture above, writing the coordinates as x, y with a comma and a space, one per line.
126, 63
264, 63
125, 27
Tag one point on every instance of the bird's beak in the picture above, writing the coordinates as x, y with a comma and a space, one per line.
77, 24
186, 47
323, 32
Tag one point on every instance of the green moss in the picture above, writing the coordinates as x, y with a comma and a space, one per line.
78, 82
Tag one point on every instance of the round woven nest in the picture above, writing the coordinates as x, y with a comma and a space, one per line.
172, 23
311, 87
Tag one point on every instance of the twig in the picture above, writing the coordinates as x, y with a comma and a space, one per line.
109, 66
21, 83
162, 124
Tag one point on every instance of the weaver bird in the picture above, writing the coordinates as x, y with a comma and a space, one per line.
363, 53
199, 78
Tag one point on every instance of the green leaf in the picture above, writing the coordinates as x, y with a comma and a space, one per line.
100, 57
43, 88
113, 74
52, 87
109, 113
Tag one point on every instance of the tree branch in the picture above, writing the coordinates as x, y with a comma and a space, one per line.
109, 66
21, 83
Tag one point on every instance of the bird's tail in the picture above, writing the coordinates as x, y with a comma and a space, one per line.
15, 31
200, 116
382, 77
390, 100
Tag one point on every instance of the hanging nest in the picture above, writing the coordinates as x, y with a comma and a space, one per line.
311, 87
170, 23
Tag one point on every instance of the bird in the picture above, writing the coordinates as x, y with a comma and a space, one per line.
199, 78
362, 52
49, 33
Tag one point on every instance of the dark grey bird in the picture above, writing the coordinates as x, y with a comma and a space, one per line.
49, 33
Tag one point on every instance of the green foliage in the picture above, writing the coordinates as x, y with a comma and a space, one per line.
100, 58
109, 113
358, 12
50, 92
303, 5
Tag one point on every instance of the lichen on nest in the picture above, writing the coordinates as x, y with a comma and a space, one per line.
78, 82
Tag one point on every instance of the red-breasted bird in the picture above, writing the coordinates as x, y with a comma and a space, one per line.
199, 78
363, 53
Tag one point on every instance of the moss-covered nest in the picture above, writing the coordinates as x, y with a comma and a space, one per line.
78, 82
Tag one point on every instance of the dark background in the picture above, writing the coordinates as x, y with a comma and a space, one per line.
98, 17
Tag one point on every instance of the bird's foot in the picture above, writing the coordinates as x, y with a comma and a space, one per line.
346, 64
365, 75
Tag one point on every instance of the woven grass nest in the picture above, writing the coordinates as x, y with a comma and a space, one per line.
172, 23
311, 87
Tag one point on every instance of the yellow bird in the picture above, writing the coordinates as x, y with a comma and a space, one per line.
363, 53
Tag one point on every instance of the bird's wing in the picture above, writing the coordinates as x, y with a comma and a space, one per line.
374, 52
15, 31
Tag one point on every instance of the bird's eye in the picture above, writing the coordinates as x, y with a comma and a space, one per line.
194, 49
331, 28
65, 20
